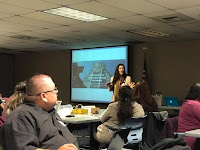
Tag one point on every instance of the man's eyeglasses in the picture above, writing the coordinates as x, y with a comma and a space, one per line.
54, 91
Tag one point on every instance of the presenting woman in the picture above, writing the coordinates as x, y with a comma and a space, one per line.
119, 79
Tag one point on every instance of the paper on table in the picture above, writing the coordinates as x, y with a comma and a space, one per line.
65, 110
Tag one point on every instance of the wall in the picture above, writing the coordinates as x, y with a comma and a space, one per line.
172, 67
54, 63
6, 74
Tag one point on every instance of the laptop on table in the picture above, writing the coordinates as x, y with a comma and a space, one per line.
171, 101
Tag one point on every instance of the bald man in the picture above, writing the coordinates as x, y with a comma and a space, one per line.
34, 124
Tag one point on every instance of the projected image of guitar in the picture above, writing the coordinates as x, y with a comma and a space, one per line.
97, 77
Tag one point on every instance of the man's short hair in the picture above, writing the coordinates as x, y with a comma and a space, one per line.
32, 84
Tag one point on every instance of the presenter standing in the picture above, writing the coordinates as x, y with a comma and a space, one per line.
119, 79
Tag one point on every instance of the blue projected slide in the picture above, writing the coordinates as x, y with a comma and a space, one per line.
92, 69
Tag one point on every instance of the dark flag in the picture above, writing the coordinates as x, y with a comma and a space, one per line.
144, 75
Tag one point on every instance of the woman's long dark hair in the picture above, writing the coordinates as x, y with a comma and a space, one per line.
125, 108
143, 95
117, 75
194, 92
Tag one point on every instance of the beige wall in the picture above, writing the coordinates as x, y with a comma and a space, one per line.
172, 67
54, 63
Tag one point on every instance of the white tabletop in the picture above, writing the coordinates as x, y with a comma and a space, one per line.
169, 107
193, 133
83, 118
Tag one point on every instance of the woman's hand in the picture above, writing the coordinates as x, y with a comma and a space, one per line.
108, 84
132, 85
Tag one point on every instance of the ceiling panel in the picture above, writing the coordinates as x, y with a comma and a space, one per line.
141, 21
135, 6
95, 7
17, 26
162, 13
23, 25
37, 35
5, 15
193, 12
176, 4
14, 10
31, 4
92, 27
52, 32
30, 22
115, 24
51, 18
66, 2
195, 27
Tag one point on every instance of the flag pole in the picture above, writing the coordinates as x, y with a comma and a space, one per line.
145, 75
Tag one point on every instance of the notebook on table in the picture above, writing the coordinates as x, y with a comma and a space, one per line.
171, 101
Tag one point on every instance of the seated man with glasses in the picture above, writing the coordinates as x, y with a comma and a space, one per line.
35, 124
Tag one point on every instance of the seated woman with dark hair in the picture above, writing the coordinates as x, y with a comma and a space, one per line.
189, 115
143, 95
116, 113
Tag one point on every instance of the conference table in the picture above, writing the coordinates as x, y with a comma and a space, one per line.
169, 107
193, 133
196, 134
91, 119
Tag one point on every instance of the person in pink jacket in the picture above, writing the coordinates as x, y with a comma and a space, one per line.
189, 115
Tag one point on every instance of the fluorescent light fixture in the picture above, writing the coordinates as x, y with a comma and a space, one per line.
74, 14
148, 32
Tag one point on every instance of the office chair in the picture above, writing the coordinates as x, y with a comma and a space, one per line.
128, 135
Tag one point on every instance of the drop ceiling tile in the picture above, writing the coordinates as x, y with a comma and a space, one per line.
170, 29
176, 4
38, 35
30, 22
14, 10
195, 27
66, 2
115, 24
101, 9
52, 32
17, 26
176, 17
184, 22
135, 6
193, 12
13, 40
67, 29
126, 35
91, 27
5, 15
7, 30
32, 4
157, 14
51, 18
141, 21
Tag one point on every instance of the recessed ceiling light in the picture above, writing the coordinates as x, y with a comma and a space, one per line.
74, 14
148, 32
